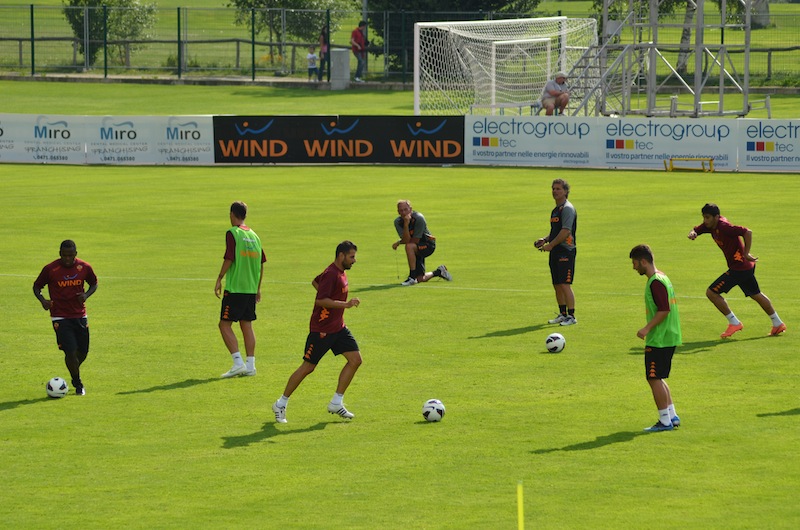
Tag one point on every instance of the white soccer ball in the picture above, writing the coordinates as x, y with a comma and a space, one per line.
57, 388
433, 410
555, 342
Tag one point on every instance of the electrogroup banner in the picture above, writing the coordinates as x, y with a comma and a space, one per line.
769, 145
332, 139
632, 143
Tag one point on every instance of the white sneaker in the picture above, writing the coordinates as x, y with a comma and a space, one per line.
249, 373
569, 320
445, 274
358, 80
409, 281
341, 411
280, 413
236, 370
558, 320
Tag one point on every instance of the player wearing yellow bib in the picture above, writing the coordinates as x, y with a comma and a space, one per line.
662, 334
243, 269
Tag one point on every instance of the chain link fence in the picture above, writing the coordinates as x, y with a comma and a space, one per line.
204, 42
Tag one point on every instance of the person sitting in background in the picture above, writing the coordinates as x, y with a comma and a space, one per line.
555, 96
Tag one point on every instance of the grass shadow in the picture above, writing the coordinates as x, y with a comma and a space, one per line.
8, 405
790, 412
509, 332
188, 383
693, 348
600, 441
380, 287
269, 430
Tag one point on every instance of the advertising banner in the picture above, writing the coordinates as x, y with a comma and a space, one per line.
532, 141
769, 145
645, 143
148, 140
336, 139
42, 139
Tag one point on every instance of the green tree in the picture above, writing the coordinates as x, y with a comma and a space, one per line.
304, 18
126, 20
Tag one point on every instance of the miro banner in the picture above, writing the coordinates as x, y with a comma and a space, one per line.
769, 145
148, 140
42, 139
338, 139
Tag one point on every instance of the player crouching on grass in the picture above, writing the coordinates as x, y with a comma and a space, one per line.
662, 334
419, 244
328, 332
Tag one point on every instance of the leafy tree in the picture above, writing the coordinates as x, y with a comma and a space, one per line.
434, 10
304, 22
127, 20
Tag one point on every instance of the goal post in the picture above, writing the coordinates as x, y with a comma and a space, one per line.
463, 66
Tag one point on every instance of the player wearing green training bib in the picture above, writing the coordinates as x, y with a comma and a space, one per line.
243, 269
662, 334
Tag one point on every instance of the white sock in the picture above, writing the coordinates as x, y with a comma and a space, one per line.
237, 358
337, 399
283, 401
251, 363
671, 410
732, 319
776, 320
663, 416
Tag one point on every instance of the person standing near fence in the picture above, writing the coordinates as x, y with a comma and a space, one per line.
324, 57
312, 64
358, 43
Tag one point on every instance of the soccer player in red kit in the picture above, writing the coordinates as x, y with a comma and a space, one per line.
66, 279
734, 241
328, 332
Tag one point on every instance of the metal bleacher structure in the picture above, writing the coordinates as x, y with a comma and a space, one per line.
629, 64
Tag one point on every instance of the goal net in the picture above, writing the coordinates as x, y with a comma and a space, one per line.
494, 66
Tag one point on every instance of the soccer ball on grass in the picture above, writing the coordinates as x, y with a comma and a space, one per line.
555, 342
433, 410
57, 388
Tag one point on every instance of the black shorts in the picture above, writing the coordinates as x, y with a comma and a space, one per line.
72, 335
658, 361
746, 280
238, 306
425, 248
562, 265
318, 344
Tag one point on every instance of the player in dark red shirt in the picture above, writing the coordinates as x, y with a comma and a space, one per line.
328, 332
734, 241
66, 279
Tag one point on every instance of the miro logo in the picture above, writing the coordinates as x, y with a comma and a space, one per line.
182, 131
57, 130
117, 131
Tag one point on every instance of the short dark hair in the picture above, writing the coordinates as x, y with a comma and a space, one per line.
641, 252
68, 244
239, 209
362, 23
564, 184
710, 209
345, 247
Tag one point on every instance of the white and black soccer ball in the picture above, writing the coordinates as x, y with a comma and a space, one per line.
555, 342
57, 388
433, 410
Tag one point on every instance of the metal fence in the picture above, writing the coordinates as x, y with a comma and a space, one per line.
201, 42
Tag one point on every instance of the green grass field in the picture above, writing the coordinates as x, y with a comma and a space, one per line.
159, 441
